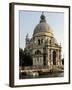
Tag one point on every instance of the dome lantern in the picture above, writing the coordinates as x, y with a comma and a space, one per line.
42, 17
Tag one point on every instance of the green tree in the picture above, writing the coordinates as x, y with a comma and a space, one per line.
21, 57
25, 59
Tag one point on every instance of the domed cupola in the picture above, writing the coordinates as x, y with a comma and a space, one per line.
43, 28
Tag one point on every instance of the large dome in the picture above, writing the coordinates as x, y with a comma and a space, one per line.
43, 27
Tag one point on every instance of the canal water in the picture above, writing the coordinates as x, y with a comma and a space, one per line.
47, 75
53, 74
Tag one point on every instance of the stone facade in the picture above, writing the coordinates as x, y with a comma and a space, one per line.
43, 46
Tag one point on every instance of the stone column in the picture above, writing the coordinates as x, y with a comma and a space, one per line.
46, 56
59, 57
51, 57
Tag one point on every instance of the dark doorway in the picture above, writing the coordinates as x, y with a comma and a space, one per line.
63, 61
54, 57
44, 56
38, 41
44, 59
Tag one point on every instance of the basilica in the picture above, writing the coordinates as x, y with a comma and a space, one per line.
43, 46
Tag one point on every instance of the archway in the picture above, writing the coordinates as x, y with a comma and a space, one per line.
54, 57
38, 52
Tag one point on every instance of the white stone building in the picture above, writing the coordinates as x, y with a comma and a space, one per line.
43, 47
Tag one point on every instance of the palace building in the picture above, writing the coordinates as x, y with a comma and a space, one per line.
43, 46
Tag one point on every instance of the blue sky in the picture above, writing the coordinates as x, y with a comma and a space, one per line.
29, 19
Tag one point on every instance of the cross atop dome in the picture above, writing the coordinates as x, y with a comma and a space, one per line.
42, 17
42, 12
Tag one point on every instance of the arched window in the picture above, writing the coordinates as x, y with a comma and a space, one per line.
54, 57
38, 41
37, 59
50, 41
38, 52
41, 40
